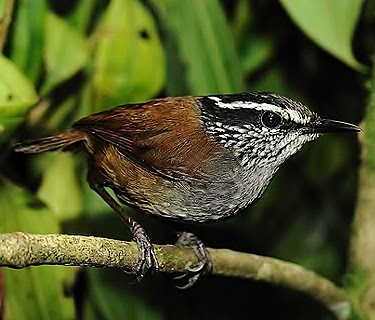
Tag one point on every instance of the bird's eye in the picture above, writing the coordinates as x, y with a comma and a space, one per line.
271, 119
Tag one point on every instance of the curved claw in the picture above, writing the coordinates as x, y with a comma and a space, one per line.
190, 280
192, 274
202, 265
147, 260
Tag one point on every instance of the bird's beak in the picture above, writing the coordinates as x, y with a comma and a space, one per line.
330, 126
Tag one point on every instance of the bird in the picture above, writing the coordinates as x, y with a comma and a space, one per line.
188, 159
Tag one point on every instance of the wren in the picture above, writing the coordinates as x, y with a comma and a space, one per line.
190, 159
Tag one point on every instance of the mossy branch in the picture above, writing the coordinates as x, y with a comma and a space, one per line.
20, 250
362, 263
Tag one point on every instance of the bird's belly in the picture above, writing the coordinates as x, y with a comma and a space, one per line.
190, 201
220, 193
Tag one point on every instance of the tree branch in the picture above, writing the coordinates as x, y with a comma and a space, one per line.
362, 254
20, 250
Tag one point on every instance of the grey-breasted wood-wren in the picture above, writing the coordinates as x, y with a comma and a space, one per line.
193, 159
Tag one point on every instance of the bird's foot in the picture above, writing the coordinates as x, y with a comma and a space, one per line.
192, 274
147, 260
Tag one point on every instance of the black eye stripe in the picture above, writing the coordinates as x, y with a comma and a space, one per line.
270, 119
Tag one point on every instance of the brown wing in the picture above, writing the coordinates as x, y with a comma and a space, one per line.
164, 136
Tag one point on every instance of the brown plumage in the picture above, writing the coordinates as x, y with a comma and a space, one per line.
161, 138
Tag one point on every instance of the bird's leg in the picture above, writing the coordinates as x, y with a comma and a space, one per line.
147, 259
204, 266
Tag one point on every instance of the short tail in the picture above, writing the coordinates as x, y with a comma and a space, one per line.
52, 143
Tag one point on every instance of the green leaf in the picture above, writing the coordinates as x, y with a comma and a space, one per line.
34, 292
82, 15
254, 49
37, 293
28, 39
114, 299
256, 54
20, 211
60, 189
329, 23
66, 51
129, 62
17, 95
3, 5
205, 44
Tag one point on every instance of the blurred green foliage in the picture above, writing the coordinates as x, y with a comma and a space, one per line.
67, 59
17, 96
32, 288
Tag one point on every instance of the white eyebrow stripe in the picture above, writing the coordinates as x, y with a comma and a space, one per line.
289, 114
245, 105
217, 99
